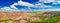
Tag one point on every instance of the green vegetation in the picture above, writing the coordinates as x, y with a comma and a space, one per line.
49, 20
38, 12
4, 20
53, 20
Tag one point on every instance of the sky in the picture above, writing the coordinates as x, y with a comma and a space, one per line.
29, 5
10, 2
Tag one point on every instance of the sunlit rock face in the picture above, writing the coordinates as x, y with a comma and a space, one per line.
13, 15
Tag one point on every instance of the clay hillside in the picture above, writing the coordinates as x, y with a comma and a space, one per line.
13, 15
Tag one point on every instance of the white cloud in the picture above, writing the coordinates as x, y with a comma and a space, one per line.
54, 3
13, 6
8, 9
45, 6
46, 1
47, 10
50, 0
58, 2
21, 3
25, 4
39, 5
5, 8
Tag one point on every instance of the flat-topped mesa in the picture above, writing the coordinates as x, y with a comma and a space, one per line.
13, 15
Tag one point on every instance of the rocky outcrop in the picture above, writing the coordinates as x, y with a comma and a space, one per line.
13, 15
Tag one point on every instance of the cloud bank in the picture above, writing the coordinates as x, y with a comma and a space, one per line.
29, 5
14, 8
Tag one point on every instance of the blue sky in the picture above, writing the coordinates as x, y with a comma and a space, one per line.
27, 5
7, 2
10, 2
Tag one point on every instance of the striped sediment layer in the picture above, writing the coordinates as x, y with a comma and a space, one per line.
13, 15
17, 17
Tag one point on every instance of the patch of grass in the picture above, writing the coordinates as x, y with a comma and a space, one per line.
4, 20
53, 20
38, 12
49, 20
